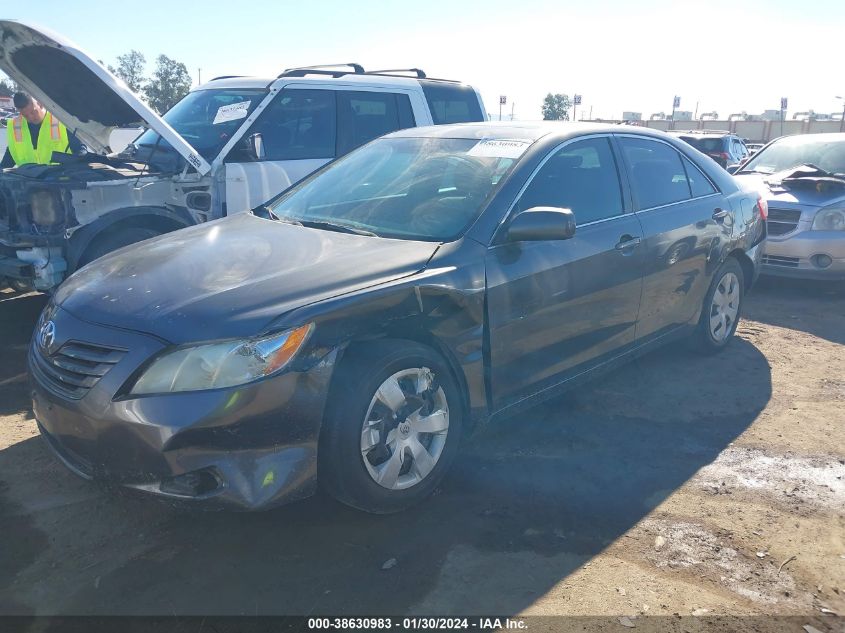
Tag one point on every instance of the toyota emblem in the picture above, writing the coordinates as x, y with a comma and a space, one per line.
47, 336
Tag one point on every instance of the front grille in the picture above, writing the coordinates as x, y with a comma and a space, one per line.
775, 260
782, 221
74, 368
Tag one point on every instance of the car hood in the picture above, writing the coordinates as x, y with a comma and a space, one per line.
230, 278
795, 196
84, 96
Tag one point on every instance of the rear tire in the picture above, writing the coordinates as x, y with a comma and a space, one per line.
722, 308
392, 426
114, 240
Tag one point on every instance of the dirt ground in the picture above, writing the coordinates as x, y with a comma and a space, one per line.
679, 484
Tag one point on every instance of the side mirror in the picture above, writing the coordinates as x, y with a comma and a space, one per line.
255, 147
542, 223
734, 168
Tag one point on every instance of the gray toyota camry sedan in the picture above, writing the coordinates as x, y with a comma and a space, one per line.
352, 331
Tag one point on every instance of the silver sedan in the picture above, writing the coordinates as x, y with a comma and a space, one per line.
802, 178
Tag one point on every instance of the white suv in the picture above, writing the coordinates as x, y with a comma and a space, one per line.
229, 146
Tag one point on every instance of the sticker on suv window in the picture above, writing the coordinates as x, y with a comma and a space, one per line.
498, 148
231, 112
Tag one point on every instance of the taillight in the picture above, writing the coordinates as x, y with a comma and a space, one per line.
763, 208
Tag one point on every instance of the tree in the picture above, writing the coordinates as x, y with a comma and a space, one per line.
169, 83
556, 107
8, 87
130, 68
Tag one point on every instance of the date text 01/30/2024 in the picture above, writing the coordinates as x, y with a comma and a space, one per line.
417, 623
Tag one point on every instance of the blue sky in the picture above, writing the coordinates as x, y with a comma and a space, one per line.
727, 56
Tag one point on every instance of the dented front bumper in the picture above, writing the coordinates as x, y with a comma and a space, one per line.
248, 447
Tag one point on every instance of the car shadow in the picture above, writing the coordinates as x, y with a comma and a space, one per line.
814, 307
529, 500
18, 314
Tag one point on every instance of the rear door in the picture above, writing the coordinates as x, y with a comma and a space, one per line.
684, 220
557, 308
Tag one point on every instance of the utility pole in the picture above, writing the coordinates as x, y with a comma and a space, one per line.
842, 120
513, 105
199, 76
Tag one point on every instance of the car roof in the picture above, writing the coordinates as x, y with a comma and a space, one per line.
522, 130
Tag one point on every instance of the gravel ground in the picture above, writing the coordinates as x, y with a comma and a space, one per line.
679, 484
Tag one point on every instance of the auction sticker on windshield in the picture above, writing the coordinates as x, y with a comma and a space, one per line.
231, 112
498, 148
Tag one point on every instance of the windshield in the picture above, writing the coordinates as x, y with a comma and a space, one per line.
793, 151
206, 119
409, 188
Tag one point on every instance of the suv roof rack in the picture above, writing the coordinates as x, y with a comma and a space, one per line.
225, 77
394, 72
322, 69
702, 131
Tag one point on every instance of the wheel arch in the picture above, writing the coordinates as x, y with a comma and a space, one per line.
747, 267
161, 219
420, 337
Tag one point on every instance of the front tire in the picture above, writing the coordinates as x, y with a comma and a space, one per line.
392, 426
722, 308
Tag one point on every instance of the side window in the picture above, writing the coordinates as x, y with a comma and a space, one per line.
656, 172
298, 124
364, 116
451, 103
581, 176
698, 182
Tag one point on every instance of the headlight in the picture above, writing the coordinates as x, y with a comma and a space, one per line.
46, 209
829, 220
223, 364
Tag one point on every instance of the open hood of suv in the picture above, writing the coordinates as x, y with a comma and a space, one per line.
86, 97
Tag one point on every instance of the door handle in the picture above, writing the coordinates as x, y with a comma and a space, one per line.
719, 214
626, 241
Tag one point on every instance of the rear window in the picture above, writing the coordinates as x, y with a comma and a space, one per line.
704, 144
452, 103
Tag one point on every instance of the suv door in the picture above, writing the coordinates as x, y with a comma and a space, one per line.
303, 129
556, 308
684, 220
299, 133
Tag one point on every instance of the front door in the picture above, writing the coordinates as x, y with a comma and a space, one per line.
299, 133
557, 308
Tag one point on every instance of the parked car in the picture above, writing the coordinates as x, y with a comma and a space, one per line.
228, 146
725, 148
753, 148
803, 180
386, 305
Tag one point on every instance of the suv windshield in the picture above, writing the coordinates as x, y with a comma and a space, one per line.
206, 119
793, 151
427, 189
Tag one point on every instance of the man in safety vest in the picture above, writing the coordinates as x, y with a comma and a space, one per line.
35, 134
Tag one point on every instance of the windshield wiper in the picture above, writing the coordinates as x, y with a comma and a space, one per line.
333, 226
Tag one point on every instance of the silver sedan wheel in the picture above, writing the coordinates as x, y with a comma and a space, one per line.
725, 307
405, 429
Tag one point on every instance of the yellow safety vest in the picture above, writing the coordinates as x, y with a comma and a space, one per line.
52, 137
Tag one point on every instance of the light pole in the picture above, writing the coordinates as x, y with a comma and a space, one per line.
199, 76
842, 120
